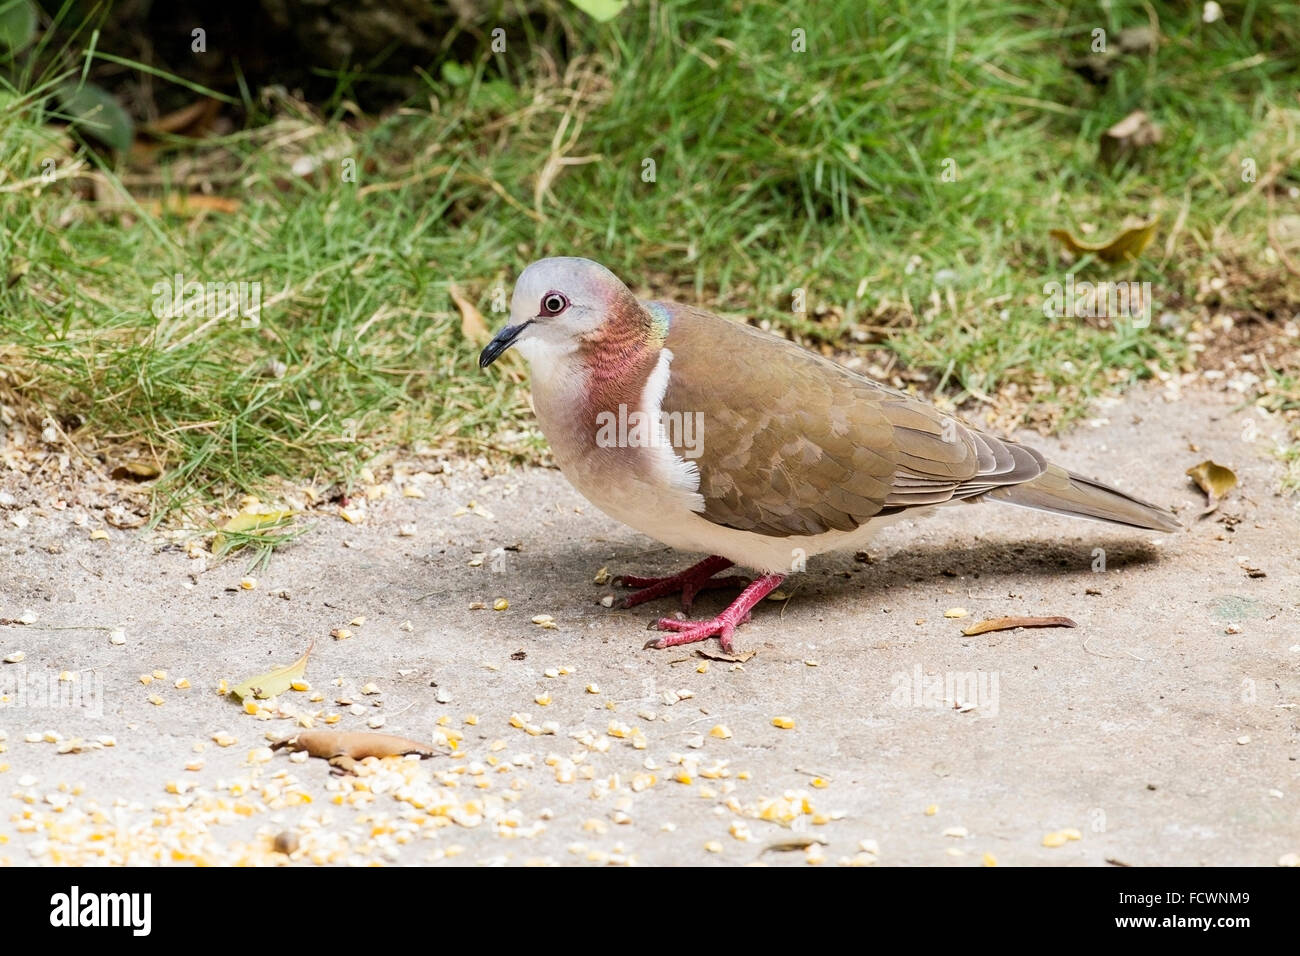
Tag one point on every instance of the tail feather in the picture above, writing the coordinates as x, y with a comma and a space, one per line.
1063, 492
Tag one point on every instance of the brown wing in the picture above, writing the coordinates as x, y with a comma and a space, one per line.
794, 444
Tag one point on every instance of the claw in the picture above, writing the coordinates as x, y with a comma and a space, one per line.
723, 626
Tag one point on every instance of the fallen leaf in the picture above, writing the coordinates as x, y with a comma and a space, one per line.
18, 22
794, 843
1213, 479
96, 113
192, 120
1008, 623
248, 523
274, 682
136, 471
472, 325
1134, 132
189, 204
602, 11
729, 658
1127, 245
1137, 40
342, 748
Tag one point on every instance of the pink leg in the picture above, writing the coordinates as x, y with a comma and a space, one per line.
696, 578
724, 625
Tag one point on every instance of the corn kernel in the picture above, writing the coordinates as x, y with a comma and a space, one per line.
785, 723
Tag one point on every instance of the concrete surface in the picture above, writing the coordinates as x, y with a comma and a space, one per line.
1161, 730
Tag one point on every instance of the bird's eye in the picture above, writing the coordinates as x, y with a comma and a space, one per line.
553, 303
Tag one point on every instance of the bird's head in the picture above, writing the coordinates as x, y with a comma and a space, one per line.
567, 309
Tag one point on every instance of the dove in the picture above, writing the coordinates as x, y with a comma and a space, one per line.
716, 438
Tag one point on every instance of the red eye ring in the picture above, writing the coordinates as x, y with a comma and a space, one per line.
553, 303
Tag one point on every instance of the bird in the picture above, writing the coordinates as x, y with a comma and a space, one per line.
717, 438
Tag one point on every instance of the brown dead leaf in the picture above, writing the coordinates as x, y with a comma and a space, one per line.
1131, 134
472, 325
136, 471
192, 120
1009, 623
342, 748
722, 656
1127, 245
189, 204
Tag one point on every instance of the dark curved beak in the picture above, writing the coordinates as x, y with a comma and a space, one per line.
504, 339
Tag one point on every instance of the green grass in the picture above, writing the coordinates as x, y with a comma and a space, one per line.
775, 170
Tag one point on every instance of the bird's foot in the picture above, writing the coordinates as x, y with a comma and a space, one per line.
688, 583
724, 625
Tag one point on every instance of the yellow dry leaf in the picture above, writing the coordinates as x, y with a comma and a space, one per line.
1128, 245
1213, 479
273, 682
248, 523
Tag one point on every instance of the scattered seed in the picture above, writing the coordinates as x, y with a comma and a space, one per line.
955, 612
500, 604
785, 723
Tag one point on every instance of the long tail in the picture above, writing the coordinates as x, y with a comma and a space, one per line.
1063, 492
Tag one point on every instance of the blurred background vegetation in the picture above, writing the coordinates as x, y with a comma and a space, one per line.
385, 168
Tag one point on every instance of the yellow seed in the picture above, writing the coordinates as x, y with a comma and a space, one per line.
156, 700
601, 576
955, 612
182, 683
159, 675
820, 783
300, 685
702, 668
1055, 839
340, 633
785, 723
721, 731
500, 604
932, 809
682, 777
1072, 834
471, 719
99, 534
357, 621
223, 739
146, 679
713, 846
248, 583
543, 700
990, 859
593, 689
251, 706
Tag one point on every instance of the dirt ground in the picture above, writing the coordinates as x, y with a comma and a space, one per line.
1160, 730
